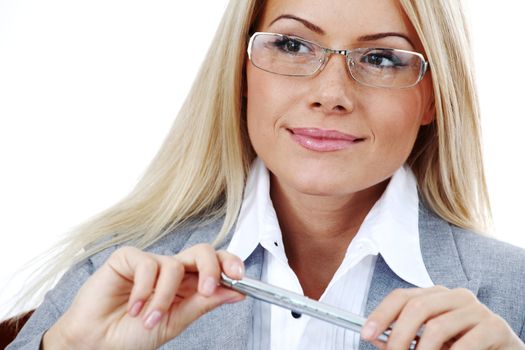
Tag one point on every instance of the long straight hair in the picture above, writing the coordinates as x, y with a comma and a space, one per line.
200, 170
447, 158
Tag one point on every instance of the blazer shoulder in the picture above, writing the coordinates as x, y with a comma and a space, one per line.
488, 254
474, 252
184, 236
498, 266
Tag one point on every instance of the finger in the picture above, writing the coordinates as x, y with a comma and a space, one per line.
189, 285
168, 281
202, 258
438, 331
419, 309
477, 338
491, 333
231, 264
188, 288
140, 269
389, 309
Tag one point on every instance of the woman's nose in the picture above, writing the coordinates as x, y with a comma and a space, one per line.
333, 87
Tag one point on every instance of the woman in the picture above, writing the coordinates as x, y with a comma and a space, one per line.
352, 176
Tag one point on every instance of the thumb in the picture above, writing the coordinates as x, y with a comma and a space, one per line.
197, 305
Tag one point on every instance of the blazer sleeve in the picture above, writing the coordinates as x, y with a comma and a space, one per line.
55, 303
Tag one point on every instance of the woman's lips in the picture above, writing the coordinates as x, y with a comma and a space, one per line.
321, 140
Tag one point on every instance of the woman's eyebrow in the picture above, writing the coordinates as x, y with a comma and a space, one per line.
317, 29
377, 36
307, 24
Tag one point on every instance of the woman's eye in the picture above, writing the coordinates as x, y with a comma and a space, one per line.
382, 60
292, 46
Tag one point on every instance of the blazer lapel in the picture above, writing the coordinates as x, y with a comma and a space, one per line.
440, 253
384, 281
441, 259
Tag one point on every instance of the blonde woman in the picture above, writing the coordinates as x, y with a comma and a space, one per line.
328, 147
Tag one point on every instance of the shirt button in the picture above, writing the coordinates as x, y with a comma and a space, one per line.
296, 314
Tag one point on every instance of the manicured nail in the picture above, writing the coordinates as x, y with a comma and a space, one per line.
135, 309
153, 319
209, 285
238, 269
369, 330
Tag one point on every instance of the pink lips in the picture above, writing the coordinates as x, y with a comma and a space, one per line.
323, 140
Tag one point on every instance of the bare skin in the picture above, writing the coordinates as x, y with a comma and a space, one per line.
322, 235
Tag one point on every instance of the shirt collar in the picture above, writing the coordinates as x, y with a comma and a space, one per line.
390, 228
256, 213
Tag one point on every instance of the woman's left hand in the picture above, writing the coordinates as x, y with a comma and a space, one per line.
452, 319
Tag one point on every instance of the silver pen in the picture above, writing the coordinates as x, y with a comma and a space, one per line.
300, 304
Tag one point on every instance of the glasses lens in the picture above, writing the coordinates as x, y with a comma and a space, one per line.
386, 67
285, 55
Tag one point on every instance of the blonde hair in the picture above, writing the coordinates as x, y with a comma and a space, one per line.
447, 158
201, 168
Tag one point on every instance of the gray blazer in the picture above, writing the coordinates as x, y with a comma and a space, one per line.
455, 258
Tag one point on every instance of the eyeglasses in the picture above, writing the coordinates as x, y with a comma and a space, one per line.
295, 56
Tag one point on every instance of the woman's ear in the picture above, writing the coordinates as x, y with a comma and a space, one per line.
244, 85
430, 113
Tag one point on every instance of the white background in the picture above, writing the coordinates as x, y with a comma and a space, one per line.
89, 89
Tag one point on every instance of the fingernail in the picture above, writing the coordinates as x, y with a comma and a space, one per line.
208, 287
153, 319
238, 269
369, 330
135, 309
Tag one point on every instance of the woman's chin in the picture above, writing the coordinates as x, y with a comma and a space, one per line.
316, 185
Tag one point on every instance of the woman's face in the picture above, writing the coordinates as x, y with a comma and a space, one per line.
287, 116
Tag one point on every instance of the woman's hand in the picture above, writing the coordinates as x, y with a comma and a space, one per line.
138, 300
452, 319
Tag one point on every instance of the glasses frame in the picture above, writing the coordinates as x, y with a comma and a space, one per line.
327, 53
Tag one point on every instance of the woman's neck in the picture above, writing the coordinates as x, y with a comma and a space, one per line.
318, 229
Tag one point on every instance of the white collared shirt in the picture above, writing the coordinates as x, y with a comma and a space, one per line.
389, 229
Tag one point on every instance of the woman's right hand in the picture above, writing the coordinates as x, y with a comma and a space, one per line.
139, 300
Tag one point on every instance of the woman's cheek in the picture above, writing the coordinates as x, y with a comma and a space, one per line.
270, 103
395, 133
